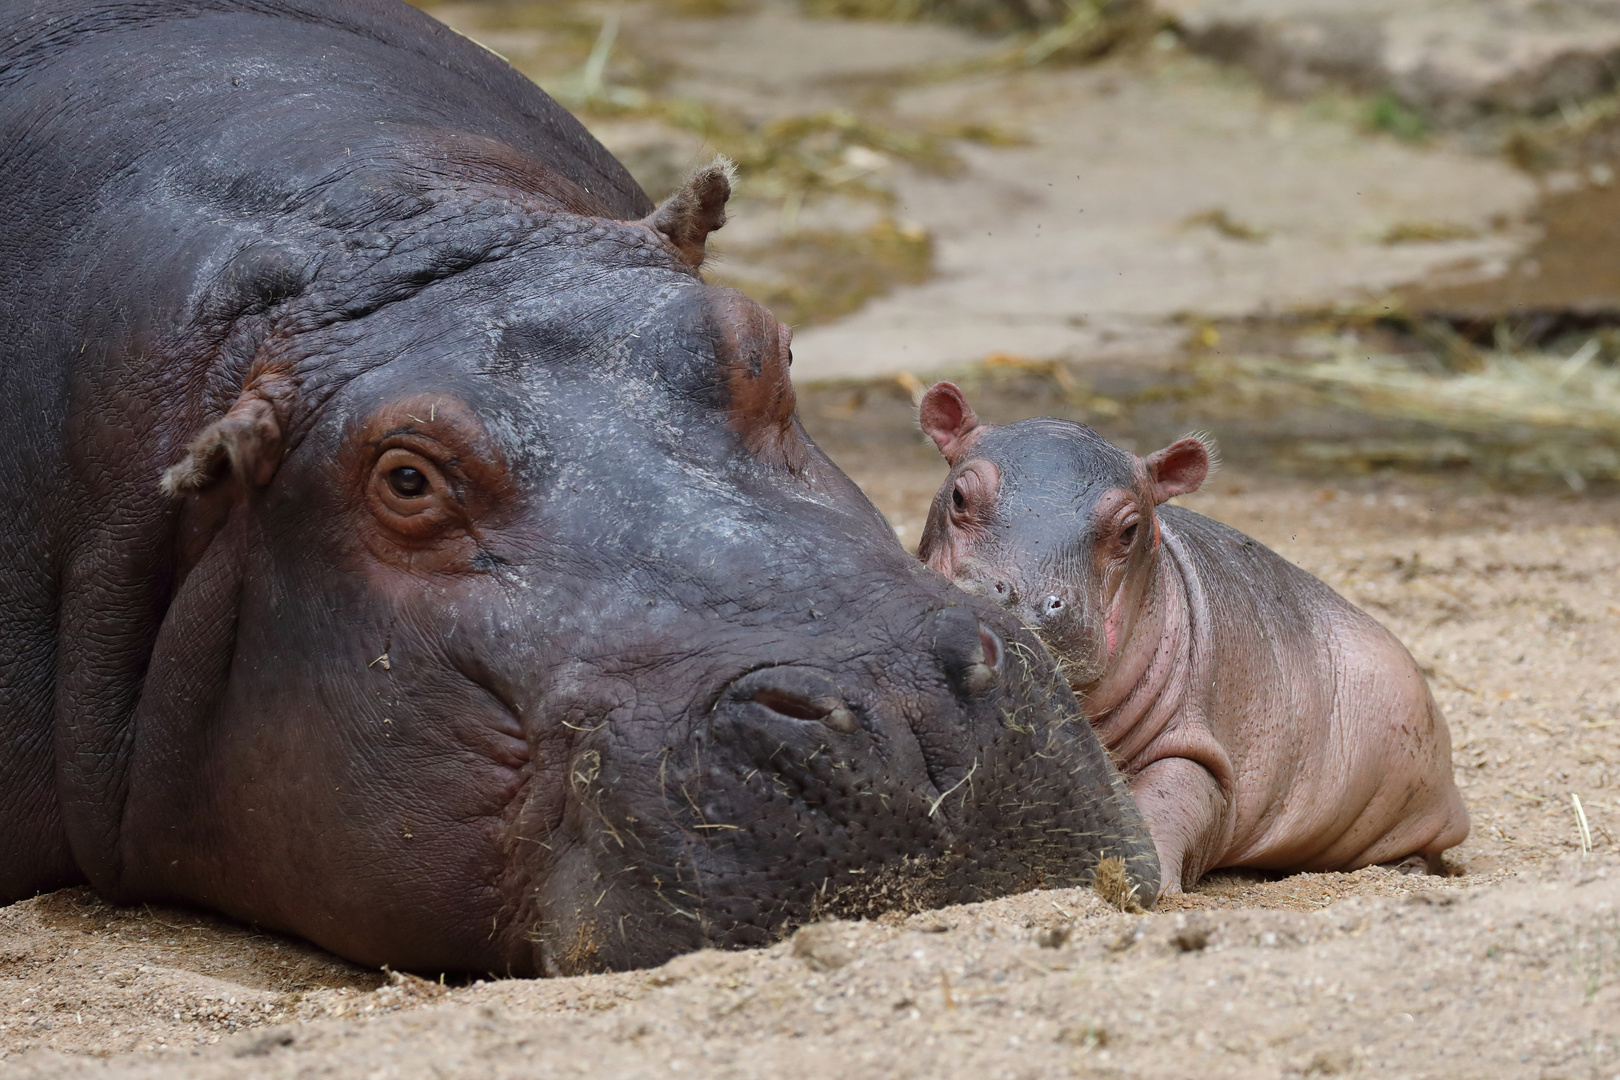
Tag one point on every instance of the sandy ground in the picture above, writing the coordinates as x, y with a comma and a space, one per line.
1146, 193
1509, 968
1154, 185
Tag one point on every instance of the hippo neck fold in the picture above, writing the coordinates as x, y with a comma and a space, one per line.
1146, 707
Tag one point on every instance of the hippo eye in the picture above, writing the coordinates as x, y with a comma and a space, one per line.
408, 483
1127, 535
957, 499
409, 492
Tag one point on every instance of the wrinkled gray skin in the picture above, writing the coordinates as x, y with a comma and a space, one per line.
401, 546
1264, 721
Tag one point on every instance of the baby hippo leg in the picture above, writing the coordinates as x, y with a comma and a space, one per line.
1186, 814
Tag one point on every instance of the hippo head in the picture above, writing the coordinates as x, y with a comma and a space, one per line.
521, 627
1053, 522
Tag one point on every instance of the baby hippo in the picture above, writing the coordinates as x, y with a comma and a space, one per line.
1262, 719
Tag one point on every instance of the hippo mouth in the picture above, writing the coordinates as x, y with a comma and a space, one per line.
801, 797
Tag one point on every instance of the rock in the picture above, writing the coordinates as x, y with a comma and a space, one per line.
1053, 937
1454, 62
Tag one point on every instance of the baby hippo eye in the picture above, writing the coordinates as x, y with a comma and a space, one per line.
1127, 535
408, 483
957, 498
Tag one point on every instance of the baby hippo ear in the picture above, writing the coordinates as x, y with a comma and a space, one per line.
1181, 467
947, 418
245, 442
696, 210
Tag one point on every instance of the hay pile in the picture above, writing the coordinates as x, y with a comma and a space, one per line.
1519, 415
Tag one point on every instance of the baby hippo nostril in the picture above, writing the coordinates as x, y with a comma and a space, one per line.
1050, 607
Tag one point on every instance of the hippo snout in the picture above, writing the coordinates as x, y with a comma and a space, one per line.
1043, 611
936, 761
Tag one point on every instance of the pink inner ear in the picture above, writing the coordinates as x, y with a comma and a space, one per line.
947, 417
1178, 469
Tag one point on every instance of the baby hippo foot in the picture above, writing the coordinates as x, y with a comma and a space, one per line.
1185, 812
1418, 863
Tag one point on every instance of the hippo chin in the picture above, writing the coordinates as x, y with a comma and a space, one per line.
404, 548
1263, 719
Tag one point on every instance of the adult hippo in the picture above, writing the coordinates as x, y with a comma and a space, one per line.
402, 547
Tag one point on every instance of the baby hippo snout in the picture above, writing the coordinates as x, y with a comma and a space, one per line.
1040, 612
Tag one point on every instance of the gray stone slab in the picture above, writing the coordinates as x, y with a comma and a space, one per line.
1456, 60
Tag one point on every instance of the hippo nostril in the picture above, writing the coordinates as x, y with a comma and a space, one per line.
829, 710
973, 654
789, 704
992, 648
1050, 607
1004, 593
985, 672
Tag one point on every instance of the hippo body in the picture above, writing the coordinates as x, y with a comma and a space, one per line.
403, 547
1263, 719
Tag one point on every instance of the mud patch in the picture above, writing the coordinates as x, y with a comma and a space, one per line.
1569, 278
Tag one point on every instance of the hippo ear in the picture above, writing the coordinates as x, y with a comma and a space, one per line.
696, 210
1181, 467
245, 442
947, 418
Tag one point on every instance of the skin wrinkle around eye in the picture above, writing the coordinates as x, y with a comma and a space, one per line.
467, 483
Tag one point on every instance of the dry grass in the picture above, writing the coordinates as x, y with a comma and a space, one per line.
790, 158
1544, 414
1062, 29
1114, 885
1427, 232
1226, 225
